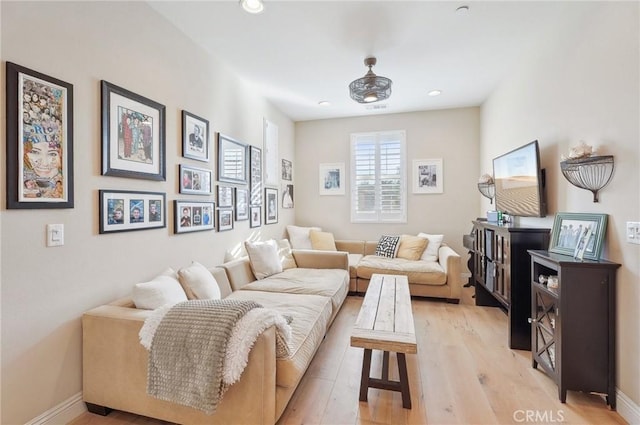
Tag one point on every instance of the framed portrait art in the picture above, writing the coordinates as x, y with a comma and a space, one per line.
133, 135
225, 219
271, 201
255, 175
232, 160
242, 204
225, 196
195, 181
256, 216
124, 211
427, 176
193, 216
578, 235
332, 179
39, 132
287, 170
195, 137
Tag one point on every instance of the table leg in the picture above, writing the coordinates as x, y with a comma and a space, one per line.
364, 381
385, 366
404, 381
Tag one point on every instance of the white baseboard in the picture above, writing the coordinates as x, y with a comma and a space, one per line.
63, 413
629, 410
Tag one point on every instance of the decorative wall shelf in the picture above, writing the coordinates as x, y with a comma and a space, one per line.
488, 190
591, 173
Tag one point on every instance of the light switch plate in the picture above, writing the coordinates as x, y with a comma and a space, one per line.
55, 234
633, 232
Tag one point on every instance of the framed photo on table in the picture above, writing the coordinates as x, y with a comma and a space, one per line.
193, 216
195, 181
39, 134
133, 135
271, 210
124, 211
579, 235
195, 137
427, 176
232, 160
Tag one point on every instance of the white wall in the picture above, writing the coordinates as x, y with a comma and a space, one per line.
45, 290
584, 85
451, 134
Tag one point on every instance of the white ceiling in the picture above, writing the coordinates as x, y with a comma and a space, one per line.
297, 53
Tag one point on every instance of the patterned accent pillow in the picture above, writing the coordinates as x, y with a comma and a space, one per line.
387, 246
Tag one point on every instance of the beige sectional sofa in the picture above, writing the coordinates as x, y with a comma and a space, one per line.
115, 363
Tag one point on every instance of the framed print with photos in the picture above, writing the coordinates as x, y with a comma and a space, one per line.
124, 210
195, 181
578, 235
232, 160
256, 216
332, 179
193, 216
255, 174
427, 176
242, 204
225, 196
225, 219
271, 201
133, 135
195, 137
39, 131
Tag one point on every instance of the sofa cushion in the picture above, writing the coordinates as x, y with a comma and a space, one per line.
322, 240
331, 283
263, 257
310, 314
411, 247
420, 272
299, 236
431, 251
286, 257
354, 259
387, 246
161, 290
198, 282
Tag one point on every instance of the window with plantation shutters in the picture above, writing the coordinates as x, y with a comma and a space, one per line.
378, 177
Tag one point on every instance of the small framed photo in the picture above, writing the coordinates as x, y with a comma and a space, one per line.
124, 211
578, 235
332, 179
271, 211
133, 135
39, 134
256, 216
195, 137
232, 160
287, 170
195, 181
427, 176
255, 174
225, 219
242, 204
287, 196
193, 216
225, 196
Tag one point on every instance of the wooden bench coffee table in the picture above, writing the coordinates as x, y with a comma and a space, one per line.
385, 322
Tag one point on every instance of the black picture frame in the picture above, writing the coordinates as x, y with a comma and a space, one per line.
242, 204
194, 180
271, 205
225, 219
255, 175
139, 154
195, 137
569, 235
193, 216
118, 210
287, 170
225, 196
232, 160
256, 216
39, 133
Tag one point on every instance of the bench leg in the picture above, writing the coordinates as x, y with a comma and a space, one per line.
385, 366
404, 381
364, 380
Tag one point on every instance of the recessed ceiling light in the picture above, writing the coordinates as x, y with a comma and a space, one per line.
324, 103
463, 9
435, 93
252, 6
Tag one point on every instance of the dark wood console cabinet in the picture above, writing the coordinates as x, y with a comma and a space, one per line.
502, 273
573, 338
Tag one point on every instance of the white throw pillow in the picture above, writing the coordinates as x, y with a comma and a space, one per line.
431, 251
285, 255
199, 281
159, 291
263, 258
299, 236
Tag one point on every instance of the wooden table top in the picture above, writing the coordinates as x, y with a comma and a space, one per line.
385, 321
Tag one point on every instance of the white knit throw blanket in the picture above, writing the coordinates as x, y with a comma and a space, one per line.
242, 338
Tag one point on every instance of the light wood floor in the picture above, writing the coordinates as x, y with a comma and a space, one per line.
464, 373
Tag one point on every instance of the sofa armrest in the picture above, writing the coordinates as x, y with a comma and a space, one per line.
450, 261
313, 259
350, 246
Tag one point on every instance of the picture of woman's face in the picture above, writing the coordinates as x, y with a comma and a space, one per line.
45, 159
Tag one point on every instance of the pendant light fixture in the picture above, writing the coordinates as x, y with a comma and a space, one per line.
370, 88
